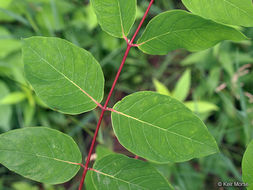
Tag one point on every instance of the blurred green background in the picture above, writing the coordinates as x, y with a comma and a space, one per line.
216, 84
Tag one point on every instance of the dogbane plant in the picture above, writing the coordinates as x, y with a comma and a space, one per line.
153, 126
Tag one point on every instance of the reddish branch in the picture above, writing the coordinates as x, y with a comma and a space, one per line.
104, 108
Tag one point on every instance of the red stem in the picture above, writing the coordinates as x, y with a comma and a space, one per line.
142, 20
129, 45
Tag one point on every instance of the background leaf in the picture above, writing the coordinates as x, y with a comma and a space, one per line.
115, 16
232, 12
40, 154
183, 86
5, 3
179, 29
247, 166
5, 110
161, 88
7, 43
13, 98
201, 106
160, 128
120, 172
61, 74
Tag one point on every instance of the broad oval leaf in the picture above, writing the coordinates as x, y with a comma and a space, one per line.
160, 128
234, 12
179, 29
247, 166
116, 17
41, 154
66, 77
120, 172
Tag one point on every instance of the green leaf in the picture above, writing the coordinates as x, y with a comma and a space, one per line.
5, 110
120, 172
13, 98
201, 106
232, 12
196, 57
116, 17
161, 88
51, 16
7, 43
5, 3
89, 184
24, 185
101, 151
183, 86
66, 77
179, 29
41, 154
247, 166
160, 128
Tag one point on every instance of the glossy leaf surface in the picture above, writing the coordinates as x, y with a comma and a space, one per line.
179, 29
160, 128
40, 154
116, 17
247, 166
120, 172
233, 12
62, 74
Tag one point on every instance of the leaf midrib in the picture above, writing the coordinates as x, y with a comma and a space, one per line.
155, 126
72, 82
38, 155
120, 18
160, 35
113, 177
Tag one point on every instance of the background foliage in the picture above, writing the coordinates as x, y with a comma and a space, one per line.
215, 83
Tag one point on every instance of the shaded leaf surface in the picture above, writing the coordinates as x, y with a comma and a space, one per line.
247, 166
7, 43
120, 172
179, 29
232, 12
40, 154
5, 110
116, 17
61, 74
160, 128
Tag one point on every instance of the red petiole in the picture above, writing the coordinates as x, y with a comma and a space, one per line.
104, 108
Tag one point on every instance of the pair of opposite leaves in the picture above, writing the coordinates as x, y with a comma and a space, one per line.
70, 80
